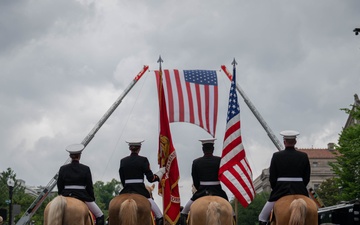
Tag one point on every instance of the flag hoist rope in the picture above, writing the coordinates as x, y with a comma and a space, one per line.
255, 112
42, 196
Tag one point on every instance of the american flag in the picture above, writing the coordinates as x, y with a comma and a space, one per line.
235, 171
192, 96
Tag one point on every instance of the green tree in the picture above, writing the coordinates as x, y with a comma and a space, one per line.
250, 214
347, 165
105, 192
9, 174
4, 189
25, 200
329, 192
19, 197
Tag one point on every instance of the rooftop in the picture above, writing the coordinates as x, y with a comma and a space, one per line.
319, 153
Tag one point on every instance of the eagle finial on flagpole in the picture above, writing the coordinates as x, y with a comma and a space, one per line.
234, 63
160, 61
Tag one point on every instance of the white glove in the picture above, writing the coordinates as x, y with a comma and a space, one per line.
160, 173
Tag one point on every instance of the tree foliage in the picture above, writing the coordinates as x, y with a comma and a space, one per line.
20, 198
329, 192
105, 192
347, 165
17, 190
250, 214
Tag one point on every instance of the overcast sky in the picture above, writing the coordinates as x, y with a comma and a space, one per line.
64, 63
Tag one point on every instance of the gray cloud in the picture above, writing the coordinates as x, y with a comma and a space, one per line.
63, 64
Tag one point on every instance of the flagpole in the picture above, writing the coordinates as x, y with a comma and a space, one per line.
268, 130
160, 88
234, 63
50, 186
160, 104
160, 81
168, 186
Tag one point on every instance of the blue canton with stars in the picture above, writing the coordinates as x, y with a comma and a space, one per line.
204, 77
233, 108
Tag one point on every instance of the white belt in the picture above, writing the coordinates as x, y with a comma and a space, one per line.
134, 181
289, 179
209, 183
74, 187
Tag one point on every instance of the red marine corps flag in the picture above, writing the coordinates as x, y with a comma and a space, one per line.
168, 187
235, 171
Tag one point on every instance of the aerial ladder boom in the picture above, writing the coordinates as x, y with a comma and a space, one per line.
50, 186
255, 112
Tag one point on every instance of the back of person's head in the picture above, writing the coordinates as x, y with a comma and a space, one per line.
289, 142
135, 145
75, 156
289, 137
134, 148
75, 151
208, 148
208, 145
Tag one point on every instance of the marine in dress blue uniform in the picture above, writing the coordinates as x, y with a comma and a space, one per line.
205, 172
132, 170
289, 173
75, 180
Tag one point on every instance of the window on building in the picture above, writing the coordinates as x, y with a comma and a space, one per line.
315, 164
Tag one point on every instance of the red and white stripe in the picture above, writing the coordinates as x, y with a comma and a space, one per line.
235, 171
190, 102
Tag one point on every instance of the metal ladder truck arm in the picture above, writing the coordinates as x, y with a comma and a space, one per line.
42, 196
268, 130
